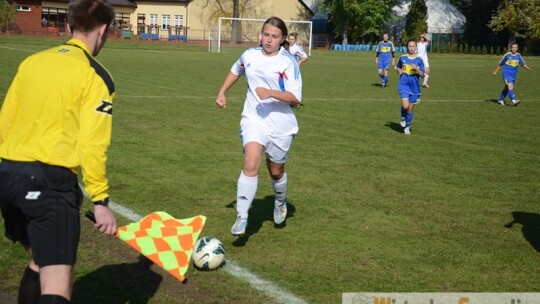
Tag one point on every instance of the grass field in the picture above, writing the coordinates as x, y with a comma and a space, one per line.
371, 210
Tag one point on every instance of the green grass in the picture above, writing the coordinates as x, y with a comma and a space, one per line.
370, 208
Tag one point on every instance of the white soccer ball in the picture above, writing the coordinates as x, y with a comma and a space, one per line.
208, 253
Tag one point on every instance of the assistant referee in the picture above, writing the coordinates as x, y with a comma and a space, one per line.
56, 119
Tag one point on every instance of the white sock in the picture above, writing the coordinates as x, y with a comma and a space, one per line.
426, 77
280, 188
247, 187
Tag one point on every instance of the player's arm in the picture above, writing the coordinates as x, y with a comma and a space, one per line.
230, 80
526, 67
496, 70
399, 65
94, 141
292, 92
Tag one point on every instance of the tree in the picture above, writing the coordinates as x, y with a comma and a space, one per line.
416, 23
520, 17
212, 10
8, 15
362, 19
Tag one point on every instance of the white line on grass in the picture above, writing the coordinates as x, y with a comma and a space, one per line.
233, 268
9, 48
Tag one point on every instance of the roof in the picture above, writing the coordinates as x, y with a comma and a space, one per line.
117, 3
443, 17
177, 1
303, 3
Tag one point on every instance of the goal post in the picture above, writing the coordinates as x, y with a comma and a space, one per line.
248, 33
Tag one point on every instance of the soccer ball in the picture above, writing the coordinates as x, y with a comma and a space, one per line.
208, 253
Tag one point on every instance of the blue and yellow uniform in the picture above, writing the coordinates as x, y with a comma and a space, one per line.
58, 111
409, 82
510, 63
385, 51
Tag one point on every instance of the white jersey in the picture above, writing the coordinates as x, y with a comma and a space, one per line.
279, 72
297, 51
422, 48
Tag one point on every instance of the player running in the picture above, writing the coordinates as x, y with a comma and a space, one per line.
510, 63
295, 49
385, 51
422, 45
409, 67
268, 124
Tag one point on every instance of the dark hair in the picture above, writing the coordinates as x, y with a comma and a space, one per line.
280, 24
411, 40
87, 15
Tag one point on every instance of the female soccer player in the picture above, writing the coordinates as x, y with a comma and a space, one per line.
510, 62
409, 67
385, 51
268, 124
295, 49
423, 43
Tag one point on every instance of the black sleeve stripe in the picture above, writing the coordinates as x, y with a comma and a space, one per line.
100, 70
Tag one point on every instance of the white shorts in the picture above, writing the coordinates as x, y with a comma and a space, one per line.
276, 149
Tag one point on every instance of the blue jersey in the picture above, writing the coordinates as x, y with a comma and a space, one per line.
385, 50
510, 63
409, 80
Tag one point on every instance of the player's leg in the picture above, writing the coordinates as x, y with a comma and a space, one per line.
511, 93
276, 156
503, 95
426, 76
56, 283
30, 285
15, 230
247, 185
404, 95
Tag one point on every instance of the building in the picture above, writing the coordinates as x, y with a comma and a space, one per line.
156, 19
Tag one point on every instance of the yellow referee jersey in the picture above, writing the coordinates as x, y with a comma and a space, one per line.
58, 110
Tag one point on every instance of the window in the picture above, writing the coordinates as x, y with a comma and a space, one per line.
23, 8
53, 17
140, 23
122, 21
178, 20
166, 21
153, 19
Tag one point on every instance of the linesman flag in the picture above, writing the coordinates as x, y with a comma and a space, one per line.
163, 239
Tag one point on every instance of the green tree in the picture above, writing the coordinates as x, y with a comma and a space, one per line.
360, 19
416, 23
520, 17
8, 15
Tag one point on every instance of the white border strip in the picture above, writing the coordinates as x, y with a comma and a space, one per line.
233, 268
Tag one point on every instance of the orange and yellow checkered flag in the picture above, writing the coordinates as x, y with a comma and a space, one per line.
165, 240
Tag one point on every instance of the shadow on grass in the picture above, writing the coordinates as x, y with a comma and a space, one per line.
530, 227
261, 211
377, 85
121, 283
492, 100
394, 126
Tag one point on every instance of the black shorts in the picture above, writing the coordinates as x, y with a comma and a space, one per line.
40, 204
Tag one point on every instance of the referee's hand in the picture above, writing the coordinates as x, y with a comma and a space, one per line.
105, 220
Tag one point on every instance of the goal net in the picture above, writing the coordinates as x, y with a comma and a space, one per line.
247, 31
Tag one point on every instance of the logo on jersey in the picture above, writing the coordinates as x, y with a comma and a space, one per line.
386, 49
32, 195
513, 63
105, 107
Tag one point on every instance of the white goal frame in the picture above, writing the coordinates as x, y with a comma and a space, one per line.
310, 38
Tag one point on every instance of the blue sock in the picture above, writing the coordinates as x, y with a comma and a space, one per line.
385, 79
503, 94
382, 76
512, 95
403, 113
408, 120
